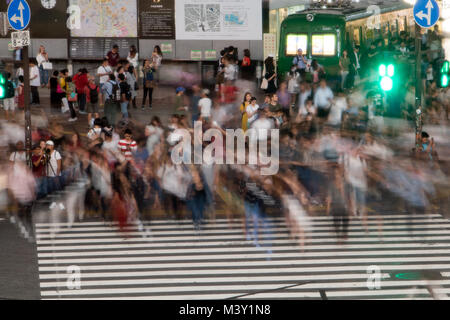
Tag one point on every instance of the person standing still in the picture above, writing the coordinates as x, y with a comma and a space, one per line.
125, 96
133, 59
81, 81
148, 83
42, 57
35, 82
109, 90
157, 57
113, 56
103, 73
344, 64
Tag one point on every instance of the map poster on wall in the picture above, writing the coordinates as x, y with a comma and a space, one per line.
218, 19
106, 18
157, 19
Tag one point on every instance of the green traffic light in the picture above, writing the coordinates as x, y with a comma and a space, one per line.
445, 67
391, 70
444, 81
386, 84
382, 70
2, 86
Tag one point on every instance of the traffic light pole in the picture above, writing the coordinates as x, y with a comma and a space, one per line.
26, 77
418, 87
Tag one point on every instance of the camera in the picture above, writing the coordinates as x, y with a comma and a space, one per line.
47, 151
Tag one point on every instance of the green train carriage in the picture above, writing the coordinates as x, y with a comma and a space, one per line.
323, 34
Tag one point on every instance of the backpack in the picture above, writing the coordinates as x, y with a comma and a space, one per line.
10, 91
93, 94
115, 95
127, 90
72, 95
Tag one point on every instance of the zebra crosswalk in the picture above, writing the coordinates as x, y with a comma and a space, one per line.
172, 261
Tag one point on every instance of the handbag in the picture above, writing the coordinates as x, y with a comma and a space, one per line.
47, 65
73, 97
149, 84
65, 106
264, 82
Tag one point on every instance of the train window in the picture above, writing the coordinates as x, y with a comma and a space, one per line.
295, 42
324, 45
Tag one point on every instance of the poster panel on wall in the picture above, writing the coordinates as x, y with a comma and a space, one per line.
157, 19
218, 19
106, 18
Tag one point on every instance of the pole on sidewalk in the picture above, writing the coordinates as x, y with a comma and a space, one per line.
26, 77
418, 87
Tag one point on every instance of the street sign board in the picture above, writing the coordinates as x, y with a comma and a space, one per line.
426, 13
19, 14
20, 39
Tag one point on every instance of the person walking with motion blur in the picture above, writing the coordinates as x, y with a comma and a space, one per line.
337, 203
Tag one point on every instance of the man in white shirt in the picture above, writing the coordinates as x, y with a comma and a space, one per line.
252, 111
322, 99
103, 72
205, 105
337, 109
55, 161
35, 82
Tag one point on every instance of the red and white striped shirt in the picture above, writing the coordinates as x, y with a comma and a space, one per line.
127, 148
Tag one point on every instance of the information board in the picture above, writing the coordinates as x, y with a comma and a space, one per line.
97, 48
157, 19
218, 19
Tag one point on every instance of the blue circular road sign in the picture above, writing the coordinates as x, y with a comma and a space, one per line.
19, 14
426, 13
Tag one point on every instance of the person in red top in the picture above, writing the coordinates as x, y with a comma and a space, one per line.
127, 146
113, 56
228, 93
246, 62
81, 81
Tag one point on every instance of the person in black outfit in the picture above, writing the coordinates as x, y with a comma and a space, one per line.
270, 75
55, 96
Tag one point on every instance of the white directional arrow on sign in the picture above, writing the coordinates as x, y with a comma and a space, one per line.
421, 15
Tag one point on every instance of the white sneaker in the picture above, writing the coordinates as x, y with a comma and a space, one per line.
73, 119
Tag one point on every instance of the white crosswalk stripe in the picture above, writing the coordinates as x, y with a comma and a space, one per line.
173, 261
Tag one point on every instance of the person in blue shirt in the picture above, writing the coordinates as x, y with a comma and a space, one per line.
300, 62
